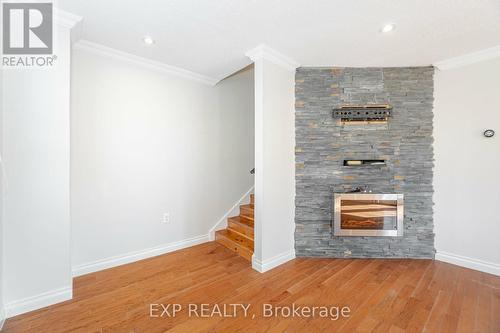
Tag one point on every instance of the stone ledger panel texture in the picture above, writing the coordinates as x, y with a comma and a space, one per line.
323, 143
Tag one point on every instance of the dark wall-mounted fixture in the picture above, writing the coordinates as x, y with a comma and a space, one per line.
360, 189
489, 133
369, 112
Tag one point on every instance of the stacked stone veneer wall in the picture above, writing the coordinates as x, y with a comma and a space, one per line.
322, 143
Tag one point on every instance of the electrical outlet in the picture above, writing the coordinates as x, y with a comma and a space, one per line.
166, 218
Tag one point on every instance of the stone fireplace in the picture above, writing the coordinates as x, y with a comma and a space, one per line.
390, 155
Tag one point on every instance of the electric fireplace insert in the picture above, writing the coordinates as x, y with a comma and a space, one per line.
368, 214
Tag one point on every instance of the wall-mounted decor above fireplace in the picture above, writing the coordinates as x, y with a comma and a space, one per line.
357, 113
367, 214
349, 163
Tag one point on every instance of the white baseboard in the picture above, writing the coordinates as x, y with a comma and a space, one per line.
137, 255
479, 265
268, 264
38, 301
130, 257
233, 211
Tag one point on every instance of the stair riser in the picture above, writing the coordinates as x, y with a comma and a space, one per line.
247, 212
250, 218
235, 247
242, 220
241, 228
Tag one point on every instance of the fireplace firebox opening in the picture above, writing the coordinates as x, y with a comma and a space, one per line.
368, 214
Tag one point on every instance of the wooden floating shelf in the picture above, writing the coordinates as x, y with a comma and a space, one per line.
363, 122
354, 163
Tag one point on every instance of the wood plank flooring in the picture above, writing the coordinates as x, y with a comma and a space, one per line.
383, 296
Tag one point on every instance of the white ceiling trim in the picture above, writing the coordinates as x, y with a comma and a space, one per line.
69, 21
66, 19
109, 52
265, 52
470, 58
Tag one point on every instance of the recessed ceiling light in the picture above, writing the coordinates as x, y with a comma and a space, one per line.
148, 40
388, 27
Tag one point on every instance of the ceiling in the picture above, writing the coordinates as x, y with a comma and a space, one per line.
210, 37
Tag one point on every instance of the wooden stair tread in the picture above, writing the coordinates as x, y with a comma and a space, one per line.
235, 242
243, 220
241, 225
248, 206
236, 237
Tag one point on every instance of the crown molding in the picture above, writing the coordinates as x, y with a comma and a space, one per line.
265, 52
69, 21
66, 19
468, 59
109, 52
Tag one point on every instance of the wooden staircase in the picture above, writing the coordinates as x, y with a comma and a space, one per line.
238, 236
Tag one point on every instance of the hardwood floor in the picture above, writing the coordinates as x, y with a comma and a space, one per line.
383, 296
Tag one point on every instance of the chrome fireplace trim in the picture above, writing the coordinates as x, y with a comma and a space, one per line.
338, 231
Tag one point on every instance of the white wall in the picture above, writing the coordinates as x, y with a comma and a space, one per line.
236, 143
275, 163
2, 313
144, 143
36, 231
466, 179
